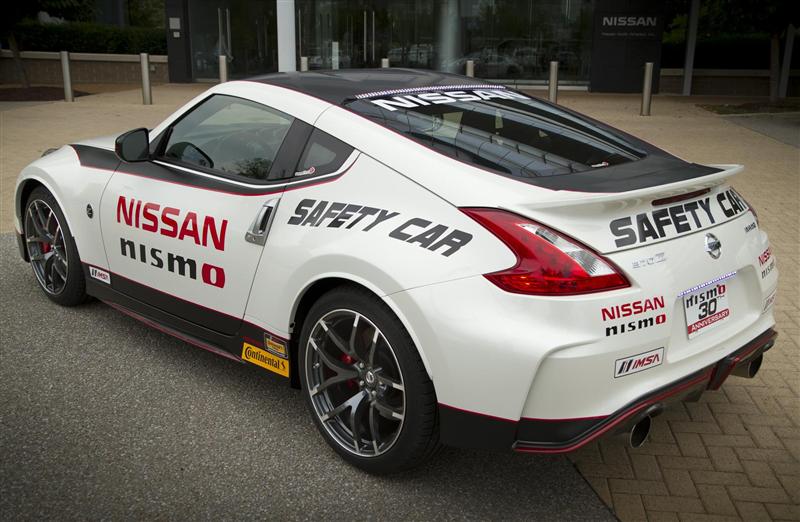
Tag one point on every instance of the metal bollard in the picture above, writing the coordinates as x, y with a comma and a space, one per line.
334, 55
471, 68
147, 92
647, 89
384, 63
68, 96
303, 63
223, 68
552, 85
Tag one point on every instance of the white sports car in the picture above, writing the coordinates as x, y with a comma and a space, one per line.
432, 259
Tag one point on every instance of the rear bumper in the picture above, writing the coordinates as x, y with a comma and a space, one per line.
467, 429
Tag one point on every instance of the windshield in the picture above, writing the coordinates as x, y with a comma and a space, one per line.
499, 129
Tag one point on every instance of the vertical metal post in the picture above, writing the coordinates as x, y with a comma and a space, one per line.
783, 83
647, 89
384, 63
68, 96
147, 92
220, 32
552, 86
287, 42
304, 63
228, 50
691, 42
470, 68
334, 55
365, 37
300, 32
223, 68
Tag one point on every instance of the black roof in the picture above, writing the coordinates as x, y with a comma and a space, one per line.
339, 86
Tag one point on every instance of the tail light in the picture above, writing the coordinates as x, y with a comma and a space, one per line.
548, 262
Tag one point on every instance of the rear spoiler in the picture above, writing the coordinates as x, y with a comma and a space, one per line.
568, 198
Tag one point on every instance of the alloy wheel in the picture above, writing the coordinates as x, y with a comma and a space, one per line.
355, 383
44, 238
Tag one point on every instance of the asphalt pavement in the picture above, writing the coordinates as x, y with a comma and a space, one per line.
103, 417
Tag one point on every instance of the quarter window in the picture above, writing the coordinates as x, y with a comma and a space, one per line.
229, 135
323, 154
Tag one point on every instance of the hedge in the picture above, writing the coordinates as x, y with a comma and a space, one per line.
79, 37
724, 52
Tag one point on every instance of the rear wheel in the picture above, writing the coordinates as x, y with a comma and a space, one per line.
51, 250
365, 384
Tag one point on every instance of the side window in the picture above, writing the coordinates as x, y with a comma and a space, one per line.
230, 135
323, 154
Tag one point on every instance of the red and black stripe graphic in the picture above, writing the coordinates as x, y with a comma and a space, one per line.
196, 324
163, 171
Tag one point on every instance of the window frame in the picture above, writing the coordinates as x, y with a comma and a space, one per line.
309, 143
163, 138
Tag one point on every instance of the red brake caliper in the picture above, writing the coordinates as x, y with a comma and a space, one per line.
45, 247
349, 361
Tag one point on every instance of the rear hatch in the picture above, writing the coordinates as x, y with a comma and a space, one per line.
693, 249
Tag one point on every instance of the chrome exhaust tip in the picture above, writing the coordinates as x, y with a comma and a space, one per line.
750, 368
640, 431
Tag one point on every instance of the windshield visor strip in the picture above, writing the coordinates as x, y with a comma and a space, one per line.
411, 90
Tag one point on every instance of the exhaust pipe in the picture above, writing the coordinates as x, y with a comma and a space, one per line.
640, 431
750, 368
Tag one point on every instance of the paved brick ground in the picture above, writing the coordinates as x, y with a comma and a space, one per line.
733, 455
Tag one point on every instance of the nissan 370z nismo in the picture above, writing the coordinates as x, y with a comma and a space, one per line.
431, 259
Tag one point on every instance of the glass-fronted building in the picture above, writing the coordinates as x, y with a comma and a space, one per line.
506, 39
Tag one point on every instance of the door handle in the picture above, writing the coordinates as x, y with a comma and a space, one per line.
259, 229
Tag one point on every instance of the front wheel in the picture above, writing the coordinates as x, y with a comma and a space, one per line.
365, 384
52, 251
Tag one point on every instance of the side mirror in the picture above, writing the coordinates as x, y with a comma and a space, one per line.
133, 145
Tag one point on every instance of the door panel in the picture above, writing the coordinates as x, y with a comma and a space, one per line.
185, 244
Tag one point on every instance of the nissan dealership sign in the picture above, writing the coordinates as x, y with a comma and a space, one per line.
627, 26
626, 34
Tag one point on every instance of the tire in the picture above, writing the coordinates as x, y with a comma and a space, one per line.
51, 250
355, 356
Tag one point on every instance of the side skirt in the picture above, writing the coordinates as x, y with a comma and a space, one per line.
228, 346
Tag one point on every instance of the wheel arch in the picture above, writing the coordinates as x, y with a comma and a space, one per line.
29, 184
316, 289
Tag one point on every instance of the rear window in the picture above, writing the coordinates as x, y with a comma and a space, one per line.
323, 154
499, 129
